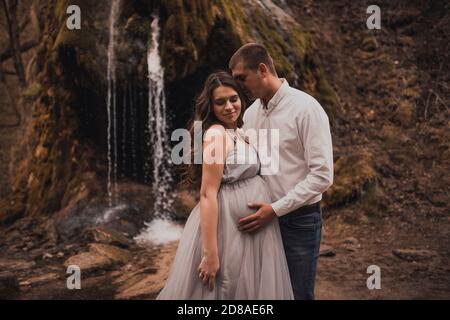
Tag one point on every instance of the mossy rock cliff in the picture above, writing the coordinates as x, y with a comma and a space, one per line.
67, 138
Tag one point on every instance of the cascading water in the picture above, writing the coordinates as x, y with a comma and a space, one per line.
111, 103
161, 229
157, 126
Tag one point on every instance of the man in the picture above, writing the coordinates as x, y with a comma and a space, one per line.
305, 162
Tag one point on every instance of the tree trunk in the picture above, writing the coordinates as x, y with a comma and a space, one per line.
14, 38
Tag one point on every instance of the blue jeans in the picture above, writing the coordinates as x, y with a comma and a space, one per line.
301, 234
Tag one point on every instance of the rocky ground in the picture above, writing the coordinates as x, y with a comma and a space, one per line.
113, 267
391, 126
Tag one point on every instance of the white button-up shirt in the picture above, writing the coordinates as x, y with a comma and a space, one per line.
305, 156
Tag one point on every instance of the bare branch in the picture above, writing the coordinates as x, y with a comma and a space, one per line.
7, 54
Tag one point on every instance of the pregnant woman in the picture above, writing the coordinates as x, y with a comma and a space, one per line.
214, 260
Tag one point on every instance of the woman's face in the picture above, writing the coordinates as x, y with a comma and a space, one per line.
226, 106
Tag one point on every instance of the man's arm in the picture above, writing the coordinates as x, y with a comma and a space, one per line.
314, 131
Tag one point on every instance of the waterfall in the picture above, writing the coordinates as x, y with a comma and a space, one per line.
111, 104
157, 126
161, 229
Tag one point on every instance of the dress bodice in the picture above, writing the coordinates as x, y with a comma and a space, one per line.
242, 162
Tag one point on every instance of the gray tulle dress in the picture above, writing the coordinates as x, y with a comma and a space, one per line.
252, 266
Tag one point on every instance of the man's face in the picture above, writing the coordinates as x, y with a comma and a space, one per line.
248, 79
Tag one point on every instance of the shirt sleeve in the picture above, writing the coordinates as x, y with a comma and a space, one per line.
314, 131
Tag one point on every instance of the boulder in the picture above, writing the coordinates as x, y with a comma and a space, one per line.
99, 257
106, 236
89, 262
111, 252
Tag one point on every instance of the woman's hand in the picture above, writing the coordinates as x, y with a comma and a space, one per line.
208, 269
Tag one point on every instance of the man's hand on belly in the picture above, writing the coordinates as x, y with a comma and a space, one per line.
256, 221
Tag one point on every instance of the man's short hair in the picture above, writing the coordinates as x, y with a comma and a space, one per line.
252, 54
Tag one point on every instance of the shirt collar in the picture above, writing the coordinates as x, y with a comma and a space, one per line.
281, 92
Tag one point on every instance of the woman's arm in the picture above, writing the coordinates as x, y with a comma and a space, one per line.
214, 152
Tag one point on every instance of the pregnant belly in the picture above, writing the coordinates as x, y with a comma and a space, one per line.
234, 197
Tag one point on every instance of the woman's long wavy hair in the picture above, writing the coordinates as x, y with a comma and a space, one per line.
191, 173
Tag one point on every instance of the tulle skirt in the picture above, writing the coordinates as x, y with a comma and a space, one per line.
252, 266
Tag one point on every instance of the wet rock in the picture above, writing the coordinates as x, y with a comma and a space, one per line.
99, 257
19, 264
114, 253
106, 236
9, 286
414, 254
40, 279
89, 261
128, 216
145, 283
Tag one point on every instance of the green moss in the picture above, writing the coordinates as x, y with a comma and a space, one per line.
188, 39
83, 39
189, 25
354, 175
184, 34
298, 42
326, 96
233, 12
32, 91
267, 30
374, 201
